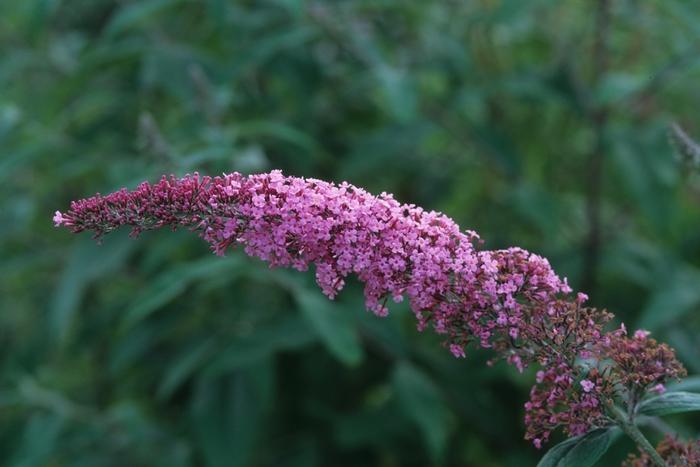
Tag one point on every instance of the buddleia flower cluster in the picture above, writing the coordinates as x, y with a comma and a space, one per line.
510, 301
497, 299
576, 394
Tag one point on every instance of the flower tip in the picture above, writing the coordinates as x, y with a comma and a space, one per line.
641, 334
457, 351
58, 219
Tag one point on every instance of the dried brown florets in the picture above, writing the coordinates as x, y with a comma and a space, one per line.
674, 452
639, 363
593, 372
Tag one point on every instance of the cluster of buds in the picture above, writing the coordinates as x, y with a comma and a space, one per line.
672, 451
173, 202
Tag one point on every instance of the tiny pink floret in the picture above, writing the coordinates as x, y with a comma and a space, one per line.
587, 386
58, 219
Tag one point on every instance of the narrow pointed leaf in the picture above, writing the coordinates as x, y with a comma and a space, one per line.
581, 451
424, 405
669, 403
691, 384
335, 326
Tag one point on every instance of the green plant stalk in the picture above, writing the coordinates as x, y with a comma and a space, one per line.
630, 428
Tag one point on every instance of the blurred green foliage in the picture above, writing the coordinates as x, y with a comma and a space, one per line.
151, 352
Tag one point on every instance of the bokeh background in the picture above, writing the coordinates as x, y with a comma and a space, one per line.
542, 124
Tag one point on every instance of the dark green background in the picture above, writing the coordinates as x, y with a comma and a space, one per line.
155, 353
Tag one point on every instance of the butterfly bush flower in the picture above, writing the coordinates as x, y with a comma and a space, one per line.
510, 301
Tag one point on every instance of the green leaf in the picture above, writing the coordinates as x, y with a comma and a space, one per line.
280, 131
39, 441
581, 451
677, 295
88, 262
687, 345
589, 449
169, 285
182, 368
688, 384
271, 45
286, 333
424, 405
398, 92
302, 451
555, 455
335, 326
161, 291
227, 414
366, 427
615, 87
133, 14
669, 403
133, 346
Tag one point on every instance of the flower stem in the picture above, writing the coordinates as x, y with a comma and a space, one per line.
631, 430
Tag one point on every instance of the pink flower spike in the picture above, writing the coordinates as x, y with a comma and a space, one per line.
641, 334
507, 300
659, 389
